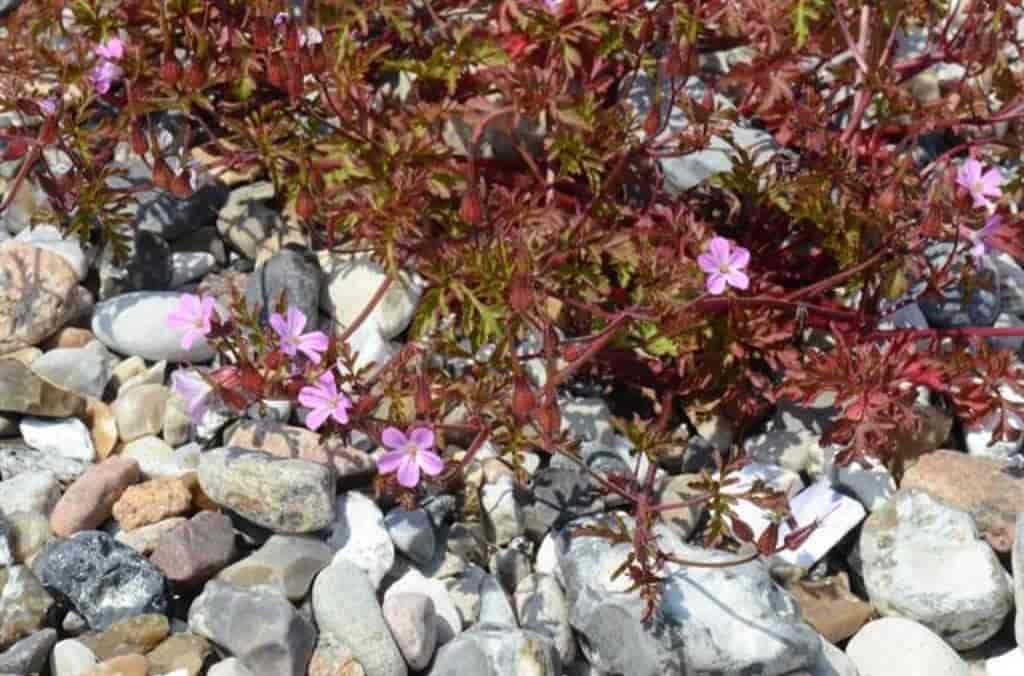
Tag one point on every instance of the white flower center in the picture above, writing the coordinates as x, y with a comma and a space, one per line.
412, 449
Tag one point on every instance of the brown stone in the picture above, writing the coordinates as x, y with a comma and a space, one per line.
37, 295
22, 391
287, 441
152, 501
186, 651
145, 539
987, 489
138, 634
102, 426
124, 665
830, 607
69, 337
332, 658
88, 501
197, 550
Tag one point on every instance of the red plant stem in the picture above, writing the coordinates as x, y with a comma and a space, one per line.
963, 332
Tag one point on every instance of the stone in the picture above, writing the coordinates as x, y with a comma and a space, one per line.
410, 617
22, 391
68, 437
948, 308
104, 580
30, 654
895, 645
541, 607
150, 502
351, 281
449, 621
29, 492
171, 218
1017, 565
560, 494
982, 487
17, 459
89, 501
287, 563
132, 635
288, 272
683, 520
284, 495
288, 441
143, 264
831, 662
332, 658
980, 438
140, 411
346, 608
512, 563
156, 459
49, 238
189, 266
186, 652
870, 481
204, 240
245, 222
24, 605
495, 608
6, 543
497, 650
915, 551
102, 427
145, 538
1007, 664
70, 337
136, 324
731, 619
358, 535
229, 667
29, 533
773, 477
125, 371
835, 514
258, 626
71, 658
503, 513
464, 594
197, 550
154, 375
37, 295
84, 370
412, 533
830, 607
225, 286
177, 428
8, 425
124, 665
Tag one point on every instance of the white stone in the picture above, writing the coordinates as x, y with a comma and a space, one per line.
836, 514
916, 554
69, 248
774, 477
369, 347
979, 438
832, 662
85, 370
229, 667
541, 607
894, 645
188, 266
1007, 664
871, 483
350, 282
358, 535
505, 518
155, 457
71, 658
68, 437
36, 491
136, 324
1007, 321
907, 317
549, 554
449, 623
587, 419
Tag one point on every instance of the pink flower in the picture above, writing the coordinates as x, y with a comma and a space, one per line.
310, 37
324, 401
104, 75
409, 455
723, 265
111, 50
193, 316
48, 106
289, 329
280, 19
981, 186
194, 389
981, 240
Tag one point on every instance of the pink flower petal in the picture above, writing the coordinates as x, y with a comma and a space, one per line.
326, 381
314, 397
296, 321
716, 283
970, 171
340, 412
739, 258
430, 463
737, 279
992, 181
190, 337
423, 437
389, 462
707, 263
720, 248
316, 418
277, 322
392, 437
409, 472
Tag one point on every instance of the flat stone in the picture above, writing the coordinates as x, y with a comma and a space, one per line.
71, 658
68, 437
498, 650
189, 266
258, 626
29, 492
984, 488
150, 502
145, 539
37, 295
30, 654
915, 552
358, 535
89, 501
835, 514
285, 562
412, 533
136, 324
24, 605
197, 550
541, 607
449, 620
410, 618
16, 459
185, 652
156, 458
288, 441
351, 280
284, 495
22, 391
830, 607
132, 635
894, 645
85, 370
140, 411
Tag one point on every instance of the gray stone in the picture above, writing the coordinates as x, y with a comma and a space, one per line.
145, 265
232, 666
67, 437
30, 654
949, 309
449, 620
6, 542
84, 370
135, 324
245, 222
345, 605
1017, 561
832, 662
541, 607
104, 580
204, 240
29, 532
411, 619
359, 536
495, 608
258, 626
29, 492
560, 494
503, 512
290, 272
412, 533
283, 494
189, 266
496, 650
24, 605
197, 550
916, 552
171, 218
17, 459
22, 391
287, 563
895, 645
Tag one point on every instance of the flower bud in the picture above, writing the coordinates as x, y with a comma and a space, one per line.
195, 76
170, 70
521, 296
181, 187
277, 72
16, 148
261, 33
470, 210
523, 399
304, 205
652, 122
163, 177
294, 79
423, 398
139, 143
